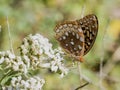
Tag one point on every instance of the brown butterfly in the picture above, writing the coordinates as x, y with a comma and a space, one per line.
77, 37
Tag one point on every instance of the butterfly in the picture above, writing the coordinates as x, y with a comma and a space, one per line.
77, 37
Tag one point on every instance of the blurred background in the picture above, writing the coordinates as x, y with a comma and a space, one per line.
40, 16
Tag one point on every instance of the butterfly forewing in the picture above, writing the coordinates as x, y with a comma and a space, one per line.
89, 25
70, 36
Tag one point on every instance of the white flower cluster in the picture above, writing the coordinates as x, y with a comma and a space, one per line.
35, 52
38, 49
33, 83
6, 56
11, 61
57, 64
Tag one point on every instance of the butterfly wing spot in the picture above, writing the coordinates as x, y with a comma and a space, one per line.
81, 39
94, 33
77, 36
73, 33
81, 23
88, 43
60, 39
60, 27
84, 21
69, 32
75, 49
72, 43
86, 46
72, 39
75, 26
70, 25
66, 44
64, 37
87, 28
79, 47
79, 29
93, 26
90, 30
65, 25
91, 18
57, 30
88, 34
66, 33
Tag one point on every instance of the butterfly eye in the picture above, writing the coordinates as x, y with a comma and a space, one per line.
77, 37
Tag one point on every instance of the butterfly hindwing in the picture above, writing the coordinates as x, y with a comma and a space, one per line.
89, 25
